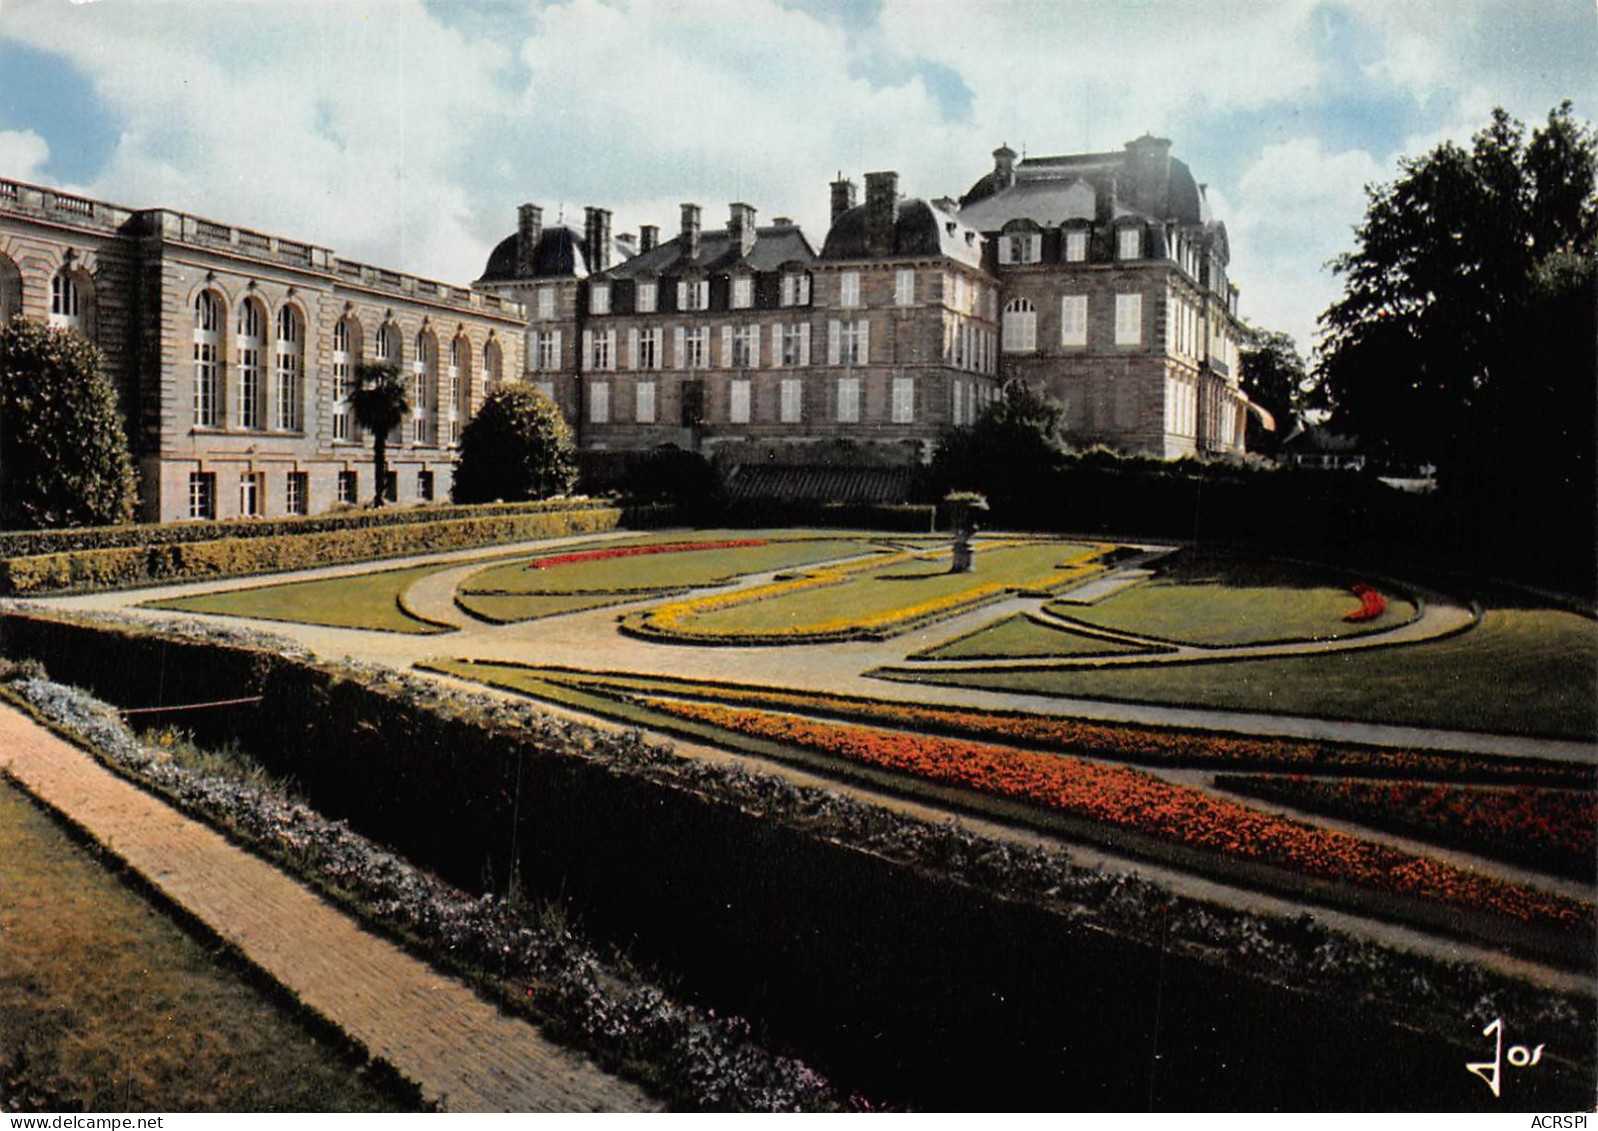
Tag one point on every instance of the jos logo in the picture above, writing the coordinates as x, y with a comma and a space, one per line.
1491, 1071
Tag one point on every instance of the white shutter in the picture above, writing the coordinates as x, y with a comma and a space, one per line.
679, 346
834, 341
804, 344
863, 327
632, 347
588, 350
754, 346
777, 334
560, 358
1004, 253
682, 296
726, 347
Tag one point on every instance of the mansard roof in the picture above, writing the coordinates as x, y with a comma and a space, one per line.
919, 229
774, 246
560, 251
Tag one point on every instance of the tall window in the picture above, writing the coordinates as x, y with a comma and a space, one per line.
297, 496
202, 494
388, 343
252, 341
421, 388
1129, 244
743, 292
746, 347
1076, 247
493, 364
853, 344
290, 392
66, 304
645, 298
698, 342
644, 402
1074, 320
738, 402
904, 287
342, 380
10, 289
1020, 326
904, 400
1128, 320
207, 350
547, 350
848, 400
599, 349
649, 348
796, 290
252, 491
458, 351
599, 298
349, 487
849, 289
796, 344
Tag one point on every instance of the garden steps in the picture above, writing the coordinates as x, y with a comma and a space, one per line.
461, 1052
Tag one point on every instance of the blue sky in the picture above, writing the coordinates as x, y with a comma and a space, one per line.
405, 132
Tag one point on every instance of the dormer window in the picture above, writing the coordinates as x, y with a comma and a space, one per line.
1129, 244
599, 298
1076, 246
644, 301
1021, 247
743, 292
796, 290
693, 294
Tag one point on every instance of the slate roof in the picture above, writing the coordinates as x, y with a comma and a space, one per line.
821, 484
1043, 192
773, 247
921, 229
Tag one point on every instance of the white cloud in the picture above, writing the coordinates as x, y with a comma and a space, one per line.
23, 154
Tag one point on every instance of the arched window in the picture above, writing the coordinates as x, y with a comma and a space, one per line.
289, 395
207, 357
251, 344
423, 376
10, 290
1020, 326
388, 343
346, 348
493, 365
460, 383
66, 303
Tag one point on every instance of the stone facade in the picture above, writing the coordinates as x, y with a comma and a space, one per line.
231, 348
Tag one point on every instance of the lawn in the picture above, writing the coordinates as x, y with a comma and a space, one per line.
1216, 600
367, 600
1521, 671
106, 1005
1019, 637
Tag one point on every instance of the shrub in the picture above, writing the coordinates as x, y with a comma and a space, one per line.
516, 447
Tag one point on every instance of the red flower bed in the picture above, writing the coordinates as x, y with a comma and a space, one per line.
1555, 828
637, 551
1139, 802
1371, 603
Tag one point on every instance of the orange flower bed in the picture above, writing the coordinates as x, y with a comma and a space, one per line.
1138, 802
1371, 603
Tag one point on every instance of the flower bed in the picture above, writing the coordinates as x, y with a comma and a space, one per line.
1138, 802
636, 551
1371, 603
1544, 828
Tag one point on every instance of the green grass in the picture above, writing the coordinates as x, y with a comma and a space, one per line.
889, 589
1212, 599
1521, 671
107, 1005
1019, 637
500, 609
367, 600
654, 572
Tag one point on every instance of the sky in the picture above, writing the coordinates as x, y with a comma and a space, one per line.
404, 133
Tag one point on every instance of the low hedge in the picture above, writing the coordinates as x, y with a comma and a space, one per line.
75, 570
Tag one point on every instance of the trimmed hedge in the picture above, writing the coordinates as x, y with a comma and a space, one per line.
75, 570
912, 961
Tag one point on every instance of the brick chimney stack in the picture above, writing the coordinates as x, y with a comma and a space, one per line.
596, 237
648, 237
882, 212
529, 226
741, 228
843, 197
690, 231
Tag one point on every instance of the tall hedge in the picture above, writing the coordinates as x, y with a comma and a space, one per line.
516, 447
63, 446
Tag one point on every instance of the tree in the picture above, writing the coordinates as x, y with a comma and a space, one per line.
516, 447
379, 403
1464, 336
1273, 376
1007, 455
63, 445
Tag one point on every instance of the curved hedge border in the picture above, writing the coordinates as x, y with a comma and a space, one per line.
125, 566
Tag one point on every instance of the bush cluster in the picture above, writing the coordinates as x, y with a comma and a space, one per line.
236, 556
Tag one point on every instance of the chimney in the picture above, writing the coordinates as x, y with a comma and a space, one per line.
690, 231
882, 212
1148, 159
842, 196
741, 228
1004, 166
648, 237
596, 238
529, 226
782, 221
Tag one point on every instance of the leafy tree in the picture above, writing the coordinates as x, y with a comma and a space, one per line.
1008, 454
379, 402
516, 447
1464, 336
63, 445
1274, 376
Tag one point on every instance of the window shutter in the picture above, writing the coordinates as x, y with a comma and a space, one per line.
682, 296
679, 347
834, 341
863, 328
804, 344
777, 333
726, 347
754, 345
559, 360
588, 350
632, 347
1035, 248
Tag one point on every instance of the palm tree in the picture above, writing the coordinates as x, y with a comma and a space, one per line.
379, 403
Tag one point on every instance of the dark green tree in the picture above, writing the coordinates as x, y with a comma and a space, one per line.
379, 402
63, 445
516, 447
1463, 338
1009, 454
1274, 376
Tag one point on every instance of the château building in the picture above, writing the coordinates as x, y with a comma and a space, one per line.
1100, 279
